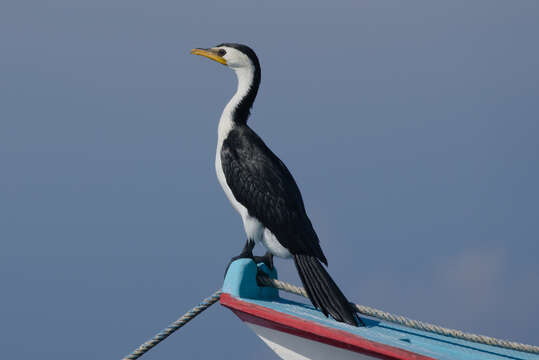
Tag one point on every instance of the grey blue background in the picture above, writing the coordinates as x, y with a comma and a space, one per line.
412, 129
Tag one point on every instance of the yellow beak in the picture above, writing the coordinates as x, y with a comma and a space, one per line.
209, 53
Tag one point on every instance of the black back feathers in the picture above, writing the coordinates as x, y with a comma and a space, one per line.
263, 184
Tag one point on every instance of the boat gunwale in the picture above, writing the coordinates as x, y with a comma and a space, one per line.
269, 318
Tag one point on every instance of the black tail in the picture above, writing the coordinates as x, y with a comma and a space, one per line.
323, 292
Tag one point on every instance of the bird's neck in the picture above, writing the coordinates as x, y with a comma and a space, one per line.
237, 110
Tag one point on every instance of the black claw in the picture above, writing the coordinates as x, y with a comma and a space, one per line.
246, 253
234, 258
260, 272
266, 259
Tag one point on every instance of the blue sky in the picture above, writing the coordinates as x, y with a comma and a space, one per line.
411, 128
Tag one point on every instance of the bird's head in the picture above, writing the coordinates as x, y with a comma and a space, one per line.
243, 60
235, 56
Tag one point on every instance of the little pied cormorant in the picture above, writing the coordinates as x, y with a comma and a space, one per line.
262, 190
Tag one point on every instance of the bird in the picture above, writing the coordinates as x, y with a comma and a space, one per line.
262, 190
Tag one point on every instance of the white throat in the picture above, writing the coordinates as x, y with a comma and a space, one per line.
245, 77
226, 124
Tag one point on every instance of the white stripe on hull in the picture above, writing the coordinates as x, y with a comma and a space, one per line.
292, 347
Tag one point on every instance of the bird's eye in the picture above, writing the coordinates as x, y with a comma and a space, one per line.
221, 52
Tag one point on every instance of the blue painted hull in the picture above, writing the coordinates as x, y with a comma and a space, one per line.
263, 310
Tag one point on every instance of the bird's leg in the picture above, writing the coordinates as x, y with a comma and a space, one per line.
246, 253
266, 259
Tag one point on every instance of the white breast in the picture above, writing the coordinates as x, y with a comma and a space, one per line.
222, 180
254, 229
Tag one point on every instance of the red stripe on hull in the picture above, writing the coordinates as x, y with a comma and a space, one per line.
272, 319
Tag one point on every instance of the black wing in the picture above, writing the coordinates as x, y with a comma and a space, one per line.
261, 182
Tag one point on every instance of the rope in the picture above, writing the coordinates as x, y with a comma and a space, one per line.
401, 320
264, 280
188, 316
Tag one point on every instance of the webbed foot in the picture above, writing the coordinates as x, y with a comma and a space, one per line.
246, 253
266, 259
